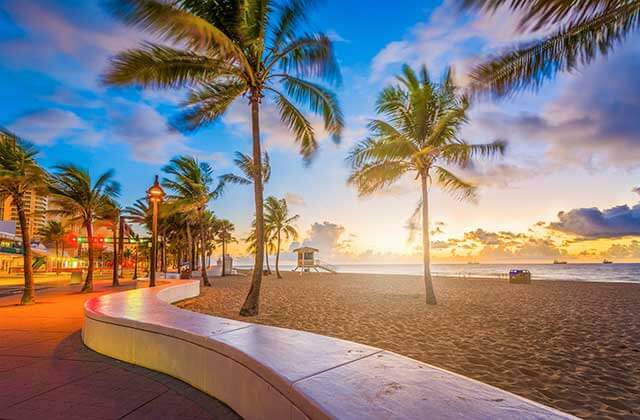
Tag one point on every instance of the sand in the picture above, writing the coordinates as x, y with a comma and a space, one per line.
570, 345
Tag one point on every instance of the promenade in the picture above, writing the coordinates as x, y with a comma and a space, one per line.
46, 372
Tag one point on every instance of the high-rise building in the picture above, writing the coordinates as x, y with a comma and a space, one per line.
36, 210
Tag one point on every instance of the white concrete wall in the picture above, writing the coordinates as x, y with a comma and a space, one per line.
265, 372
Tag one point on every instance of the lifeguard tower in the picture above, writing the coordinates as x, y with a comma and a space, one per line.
308, 261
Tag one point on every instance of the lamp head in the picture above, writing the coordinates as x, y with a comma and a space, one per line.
155, 193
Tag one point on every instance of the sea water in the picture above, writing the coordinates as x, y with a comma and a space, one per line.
617, 272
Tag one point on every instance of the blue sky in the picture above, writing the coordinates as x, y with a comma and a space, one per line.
573, 146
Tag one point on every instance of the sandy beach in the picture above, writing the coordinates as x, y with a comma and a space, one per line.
571, 345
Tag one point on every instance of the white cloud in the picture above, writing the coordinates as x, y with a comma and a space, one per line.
45, 127
294, 199
449, 37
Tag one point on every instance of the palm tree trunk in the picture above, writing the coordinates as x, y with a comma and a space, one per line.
60, 263
426, 243
115, 282
28, 295
266, 258
135, 267
189, 250
57, 257
88, 282
224, 263
203, 255
163, 252
251, 304
121, 246
278, 257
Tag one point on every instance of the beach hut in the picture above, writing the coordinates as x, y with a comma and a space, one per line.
307, 260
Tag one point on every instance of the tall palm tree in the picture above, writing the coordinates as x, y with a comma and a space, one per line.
53, 233
279, 223
230, 50
19, 173
224, 235
578, 32
418, 134
191, 184
78, 198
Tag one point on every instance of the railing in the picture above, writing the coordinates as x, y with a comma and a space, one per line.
326, 266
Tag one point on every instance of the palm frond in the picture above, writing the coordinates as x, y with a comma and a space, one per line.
295, 120
159, 67
319, 100
449, 182
373, 177
572, 46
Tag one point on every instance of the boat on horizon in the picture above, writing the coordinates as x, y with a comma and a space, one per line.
606, 261
559, 262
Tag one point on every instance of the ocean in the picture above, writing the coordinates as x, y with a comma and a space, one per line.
628, 273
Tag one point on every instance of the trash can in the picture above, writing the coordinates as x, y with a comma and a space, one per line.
76, 277
519, 276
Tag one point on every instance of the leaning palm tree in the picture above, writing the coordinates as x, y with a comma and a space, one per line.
191, 184
279, 224
224, 51
418, 135
19, 173
78, 198
578, 32
53, 233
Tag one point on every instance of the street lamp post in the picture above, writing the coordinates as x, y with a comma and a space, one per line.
155, 194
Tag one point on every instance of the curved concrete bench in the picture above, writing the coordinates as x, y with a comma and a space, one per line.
265, 372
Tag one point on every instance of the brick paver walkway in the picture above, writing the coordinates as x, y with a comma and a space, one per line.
46, 372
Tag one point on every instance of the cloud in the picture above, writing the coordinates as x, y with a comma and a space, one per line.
335, 36
44, 127
327, 237
146, 131
450, 36
294, 199
72, 49
589, 122
614, 222
631, 250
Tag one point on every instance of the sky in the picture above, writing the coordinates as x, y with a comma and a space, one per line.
566, 188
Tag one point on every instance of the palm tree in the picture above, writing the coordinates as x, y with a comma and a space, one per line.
245, 164
19, 173
579, 32
268, 245
240, 49
136, 238
191, 184
278, 223
224, 235
53, 233
112, 216
418, 135
76, 197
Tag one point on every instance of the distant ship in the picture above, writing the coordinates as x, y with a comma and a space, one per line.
473, 262
559, 262
607, 262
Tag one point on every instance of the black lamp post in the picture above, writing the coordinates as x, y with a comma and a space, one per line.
155, 194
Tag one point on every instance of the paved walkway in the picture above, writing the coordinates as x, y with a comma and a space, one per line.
46, 372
